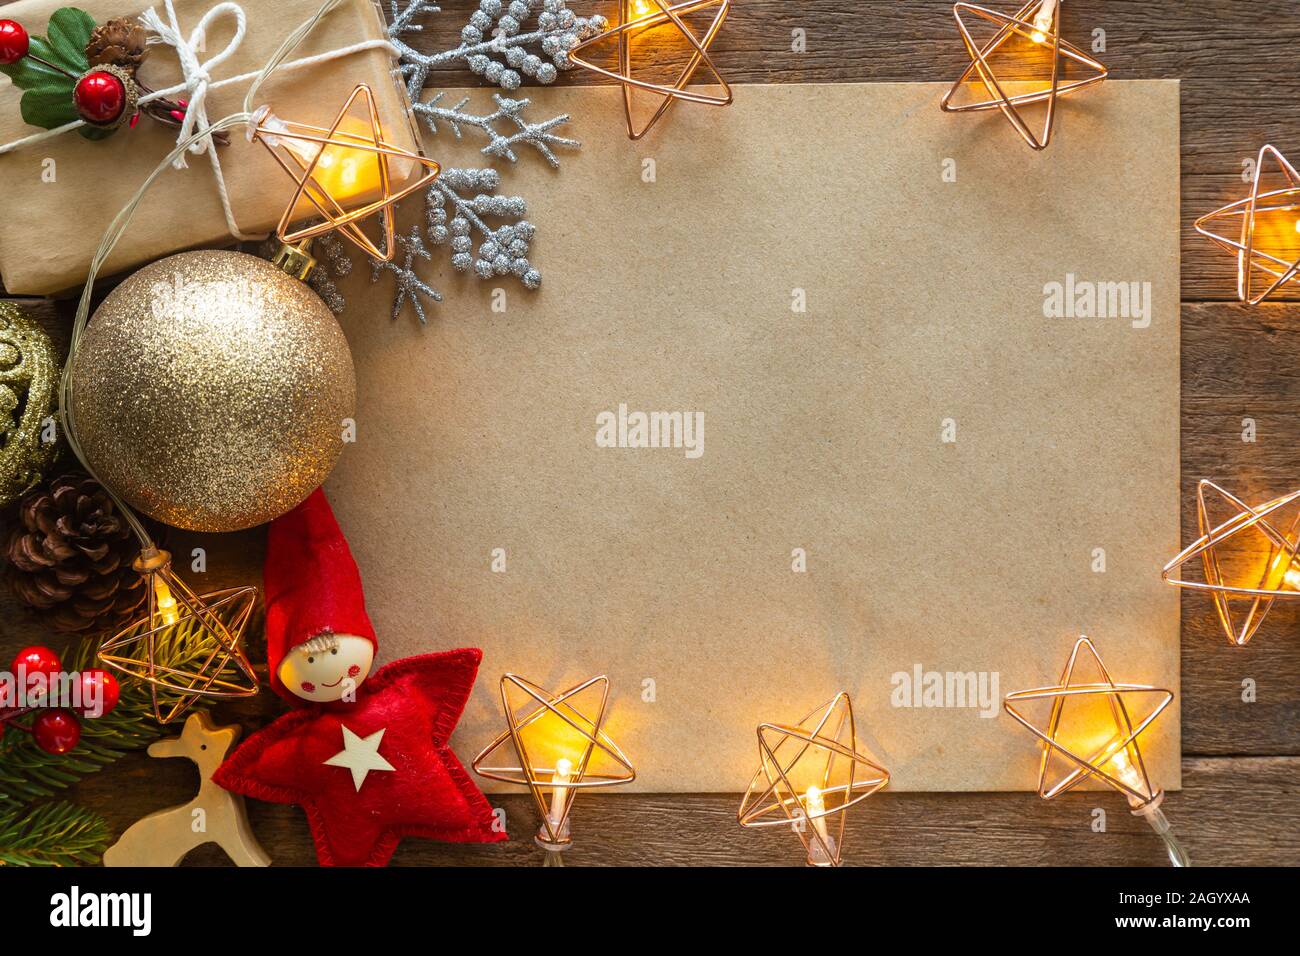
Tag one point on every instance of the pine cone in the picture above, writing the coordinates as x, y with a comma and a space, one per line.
70, 554
120, 41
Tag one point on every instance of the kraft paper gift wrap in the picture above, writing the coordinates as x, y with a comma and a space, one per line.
51, 228
934, 308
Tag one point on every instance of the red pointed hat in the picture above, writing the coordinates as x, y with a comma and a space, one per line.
312, 584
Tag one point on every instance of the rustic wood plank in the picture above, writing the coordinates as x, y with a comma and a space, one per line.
1231, 812
1239, 363
894, 40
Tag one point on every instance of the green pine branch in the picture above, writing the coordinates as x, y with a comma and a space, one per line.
53, 834
60, 833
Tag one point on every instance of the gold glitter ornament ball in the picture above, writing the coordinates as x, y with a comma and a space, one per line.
210, 391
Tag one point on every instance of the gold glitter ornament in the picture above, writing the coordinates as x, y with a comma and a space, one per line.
210, 391
29, 369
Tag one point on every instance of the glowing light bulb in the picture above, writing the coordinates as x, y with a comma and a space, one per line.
1043, 21
165, 602
1122, 767
1282, 572
344, 171
821, 852
641, 7
559, 793
816, 805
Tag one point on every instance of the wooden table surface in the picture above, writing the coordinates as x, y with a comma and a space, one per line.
1240, 802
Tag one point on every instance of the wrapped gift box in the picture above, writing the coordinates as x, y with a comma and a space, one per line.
62, 193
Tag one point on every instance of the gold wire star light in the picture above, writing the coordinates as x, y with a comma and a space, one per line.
1044, 29
1274, 524
1266, 217
1090, 733
810, 774
638, 16
347, 161
185, 647
558, 748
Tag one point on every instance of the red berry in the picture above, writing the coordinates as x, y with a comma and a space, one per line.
37, 660
56, 731
13, 42
101, 687
100, 97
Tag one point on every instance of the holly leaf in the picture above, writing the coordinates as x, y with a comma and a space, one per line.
27, 73
48, 94
48, 100
48, 106
66, 38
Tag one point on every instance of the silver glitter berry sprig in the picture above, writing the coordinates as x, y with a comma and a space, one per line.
453, 220
504, 250
537, 135
493, 43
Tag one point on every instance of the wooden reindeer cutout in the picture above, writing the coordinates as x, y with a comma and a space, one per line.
214, 816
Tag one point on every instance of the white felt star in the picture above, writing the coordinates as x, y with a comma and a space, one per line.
360, 755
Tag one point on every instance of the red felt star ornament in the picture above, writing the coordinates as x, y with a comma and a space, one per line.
375, 770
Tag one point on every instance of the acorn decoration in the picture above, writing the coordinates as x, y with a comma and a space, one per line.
106, 96
86, 72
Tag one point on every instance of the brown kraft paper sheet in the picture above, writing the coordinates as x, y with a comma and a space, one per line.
934, 309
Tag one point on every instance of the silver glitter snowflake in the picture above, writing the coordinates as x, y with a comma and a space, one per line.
410, 287
537, 135
494, 44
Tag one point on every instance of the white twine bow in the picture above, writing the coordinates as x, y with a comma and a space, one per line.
197, 81
197, 74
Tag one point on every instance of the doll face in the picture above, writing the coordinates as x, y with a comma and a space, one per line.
328, 667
